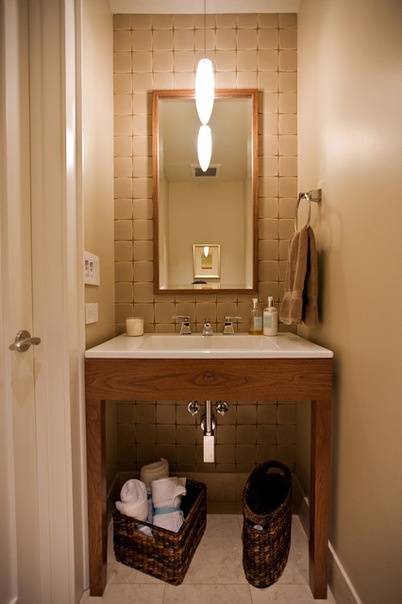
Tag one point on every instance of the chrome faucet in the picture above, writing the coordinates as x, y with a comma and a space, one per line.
207, 328
228, 327
185, 329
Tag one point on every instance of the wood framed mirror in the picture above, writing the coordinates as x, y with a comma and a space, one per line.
196, 213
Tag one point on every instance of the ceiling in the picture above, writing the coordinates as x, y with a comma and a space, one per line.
197, 6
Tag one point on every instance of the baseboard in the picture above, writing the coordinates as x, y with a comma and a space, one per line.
338, 580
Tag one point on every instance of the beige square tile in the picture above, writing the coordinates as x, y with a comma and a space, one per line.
122, 167
162, 61
247, 79
143, 229
267, 20
143, 292
268, 39
268, 60
121, 21
122, 83
143, 270
287, 186
123, 209
225, 60
141, 61
123, 271
162, 39
163, 81
226, 20
287, 60
123, 104
184, 22
287, 20
268, 81
143, 250
123, 125
123, 230
247, 60
266, 434
288, 166
226, 39
163, 21
122, 188
184, 60
122, 62
183, 39
123, 146
247, 20
141, 39
287, 102
288, 38
123, 251
287, 81
122, 40
247, 39
141, 21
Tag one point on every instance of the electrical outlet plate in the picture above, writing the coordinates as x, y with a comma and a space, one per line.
91, 269
91, 312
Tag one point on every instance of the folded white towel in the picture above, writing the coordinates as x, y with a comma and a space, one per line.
166, 499
154, 471
148, 473
133, 499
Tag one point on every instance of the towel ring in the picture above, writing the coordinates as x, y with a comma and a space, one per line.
314, 195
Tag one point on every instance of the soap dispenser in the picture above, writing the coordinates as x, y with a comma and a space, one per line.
270, 319
255, 328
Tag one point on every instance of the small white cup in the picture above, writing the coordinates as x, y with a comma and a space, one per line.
135, 326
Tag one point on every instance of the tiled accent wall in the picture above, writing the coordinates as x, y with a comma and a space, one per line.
249, 433
161, 52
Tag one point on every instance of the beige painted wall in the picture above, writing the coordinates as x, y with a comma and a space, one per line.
350, 100
97, 116
97, 93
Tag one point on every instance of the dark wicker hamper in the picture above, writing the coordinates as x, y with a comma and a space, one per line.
267, 522
166, 555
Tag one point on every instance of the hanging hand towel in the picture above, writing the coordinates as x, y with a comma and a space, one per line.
166, 499
310, 302
291, 310
299, 302
153, 471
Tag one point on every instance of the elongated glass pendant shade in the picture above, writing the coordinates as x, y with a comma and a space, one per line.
204, 90
204, 147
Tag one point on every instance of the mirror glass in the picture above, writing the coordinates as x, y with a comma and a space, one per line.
205, 223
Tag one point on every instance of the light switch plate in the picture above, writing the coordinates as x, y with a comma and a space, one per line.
91, 269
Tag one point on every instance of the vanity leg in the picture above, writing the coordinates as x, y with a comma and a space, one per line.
319, 496
96, 477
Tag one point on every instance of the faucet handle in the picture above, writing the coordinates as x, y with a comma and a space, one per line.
207, 328
185, 328
228, 327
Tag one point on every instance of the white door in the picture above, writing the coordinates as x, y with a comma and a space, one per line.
19, 518
41, 517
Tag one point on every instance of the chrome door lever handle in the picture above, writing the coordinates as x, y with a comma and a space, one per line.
23, 341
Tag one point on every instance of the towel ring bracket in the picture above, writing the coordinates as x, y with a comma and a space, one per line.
314, 196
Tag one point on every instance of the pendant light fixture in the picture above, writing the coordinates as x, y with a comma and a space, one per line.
204, 146
204, 100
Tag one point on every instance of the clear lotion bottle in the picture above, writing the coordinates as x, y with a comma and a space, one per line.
270, 319
255, 319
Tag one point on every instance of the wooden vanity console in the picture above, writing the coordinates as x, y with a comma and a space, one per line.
299, 379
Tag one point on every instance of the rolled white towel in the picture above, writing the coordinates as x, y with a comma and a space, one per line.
133, 499
166, 499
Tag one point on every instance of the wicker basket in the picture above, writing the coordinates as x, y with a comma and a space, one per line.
166, 555
267, 521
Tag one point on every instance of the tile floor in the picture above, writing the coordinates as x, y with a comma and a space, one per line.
215, 573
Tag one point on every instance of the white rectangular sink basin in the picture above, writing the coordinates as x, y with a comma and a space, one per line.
217, 346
